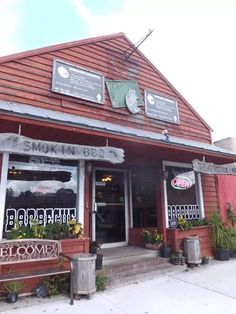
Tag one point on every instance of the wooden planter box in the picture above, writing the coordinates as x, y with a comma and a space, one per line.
73, 246
176, 238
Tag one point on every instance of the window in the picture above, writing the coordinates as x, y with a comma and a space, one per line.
46, 193
143, 186
182, 193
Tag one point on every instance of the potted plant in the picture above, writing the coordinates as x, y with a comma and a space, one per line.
13, 288
183, 224
165, 249
220, 237
76, 229
233, 242
152, 239
94, 248
205, 260
177, 258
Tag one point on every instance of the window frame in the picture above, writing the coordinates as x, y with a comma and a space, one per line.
198, 189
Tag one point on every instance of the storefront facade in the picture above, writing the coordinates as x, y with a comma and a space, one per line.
87, 133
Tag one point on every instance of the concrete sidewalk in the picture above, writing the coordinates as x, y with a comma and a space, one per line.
205, 289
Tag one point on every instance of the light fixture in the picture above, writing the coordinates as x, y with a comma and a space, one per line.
107, 178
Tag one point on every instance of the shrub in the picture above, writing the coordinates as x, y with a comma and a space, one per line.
100, 283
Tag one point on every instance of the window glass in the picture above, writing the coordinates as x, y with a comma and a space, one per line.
144, 198
42, 192
181, 193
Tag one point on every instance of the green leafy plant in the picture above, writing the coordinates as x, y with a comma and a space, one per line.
54, 231
20, 232
221, 236
14, 286
183, 224
76, 229
199, 222
151, 236
230, 214
57, 231
57, 284
94, 247
100, 283
37, 229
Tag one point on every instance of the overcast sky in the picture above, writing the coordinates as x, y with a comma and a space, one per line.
193, 44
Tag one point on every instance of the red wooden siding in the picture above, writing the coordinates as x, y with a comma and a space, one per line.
227, 193
0, 165
210, 194
28, 80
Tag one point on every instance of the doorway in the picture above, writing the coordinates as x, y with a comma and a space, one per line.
109, 218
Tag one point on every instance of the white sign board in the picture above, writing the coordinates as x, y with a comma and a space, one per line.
17, 144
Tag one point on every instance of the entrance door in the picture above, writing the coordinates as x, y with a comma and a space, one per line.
109, 215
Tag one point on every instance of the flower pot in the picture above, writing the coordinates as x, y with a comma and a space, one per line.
205, 260
12, 297
222, 254
233, 253
153, 246
165, 251
98, 262
177, 260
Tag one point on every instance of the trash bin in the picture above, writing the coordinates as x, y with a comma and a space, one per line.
192, 250
83, 274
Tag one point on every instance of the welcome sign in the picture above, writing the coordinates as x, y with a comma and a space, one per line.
28, 249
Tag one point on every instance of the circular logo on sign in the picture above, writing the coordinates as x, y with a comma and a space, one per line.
151, 99
131, 100
63, 72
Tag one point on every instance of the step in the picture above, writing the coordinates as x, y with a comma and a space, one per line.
127, 254
114, 280
123, 273
131, 264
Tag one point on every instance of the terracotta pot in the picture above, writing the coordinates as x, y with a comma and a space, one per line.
155, 246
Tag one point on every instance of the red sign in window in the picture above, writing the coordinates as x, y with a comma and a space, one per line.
181, 183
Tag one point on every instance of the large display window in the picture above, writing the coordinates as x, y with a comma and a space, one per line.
44, 192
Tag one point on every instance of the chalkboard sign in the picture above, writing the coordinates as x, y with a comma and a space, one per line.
77, 82
160, 107
173, 223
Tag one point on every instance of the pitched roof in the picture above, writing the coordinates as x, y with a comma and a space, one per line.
30, 53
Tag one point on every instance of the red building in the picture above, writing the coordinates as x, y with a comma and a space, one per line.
93, 131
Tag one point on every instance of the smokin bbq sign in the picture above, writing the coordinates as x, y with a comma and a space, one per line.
14, 143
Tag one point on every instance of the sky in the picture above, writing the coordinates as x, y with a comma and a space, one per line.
193, 44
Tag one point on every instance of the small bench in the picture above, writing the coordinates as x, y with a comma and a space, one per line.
33, 250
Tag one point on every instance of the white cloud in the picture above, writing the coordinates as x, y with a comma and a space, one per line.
193, 46
9, 19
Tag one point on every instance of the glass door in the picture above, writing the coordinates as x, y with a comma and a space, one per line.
109, 214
